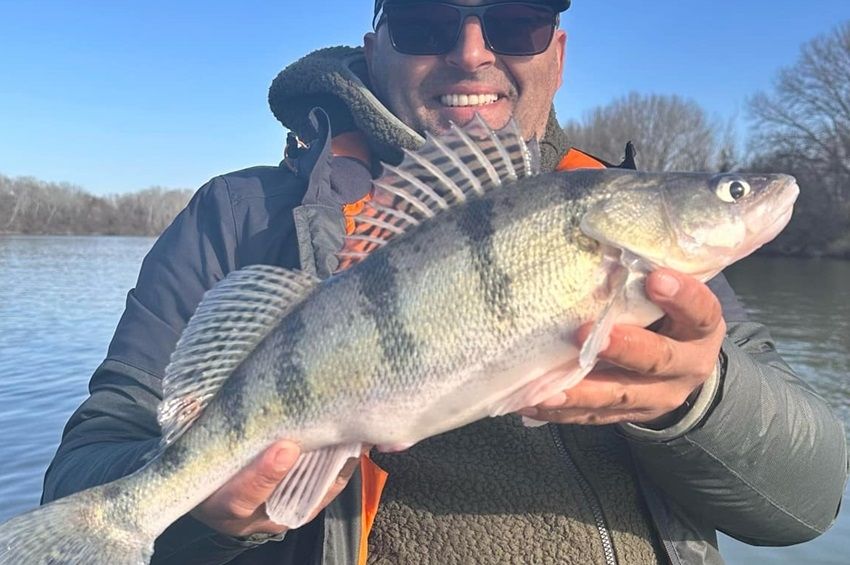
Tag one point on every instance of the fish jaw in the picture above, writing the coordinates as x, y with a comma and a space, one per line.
766, 225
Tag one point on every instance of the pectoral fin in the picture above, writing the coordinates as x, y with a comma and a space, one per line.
598, 338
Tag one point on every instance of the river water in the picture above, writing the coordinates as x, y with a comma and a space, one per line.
61, 297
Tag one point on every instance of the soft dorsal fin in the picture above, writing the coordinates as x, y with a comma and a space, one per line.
228, 324
446, 170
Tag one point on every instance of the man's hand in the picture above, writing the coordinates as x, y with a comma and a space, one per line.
238, 507
647, 374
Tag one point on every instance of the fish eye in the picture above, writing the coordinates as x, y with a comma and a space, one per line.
732, 190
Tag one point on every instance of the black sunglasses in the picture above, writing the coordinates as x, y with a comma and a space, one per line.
433, 28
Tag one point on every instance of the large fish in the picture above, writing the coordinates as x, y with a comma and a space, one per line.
468, 275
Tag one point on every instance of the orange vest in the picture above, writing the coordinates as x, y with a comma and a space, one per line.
373, 478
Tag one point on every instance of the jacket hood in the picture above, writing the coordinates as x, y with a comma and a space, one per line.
336, 79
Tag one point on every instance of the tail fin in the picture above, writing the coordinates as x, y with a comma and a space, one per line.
70, 531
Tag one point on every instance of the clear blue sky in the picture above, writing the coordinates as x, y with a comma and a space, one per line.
120, 96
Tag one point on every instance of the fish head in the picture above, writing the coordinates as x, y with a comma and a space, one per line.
695, 223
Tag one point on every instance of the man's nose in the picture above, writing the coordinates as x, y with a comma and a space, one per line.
471, 53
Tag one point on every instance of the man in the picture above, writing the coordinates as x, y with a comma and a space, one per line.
696, 426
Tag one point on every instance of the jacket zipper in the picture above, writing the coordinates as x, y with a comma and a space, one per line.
593, 500
650, 495
668, 549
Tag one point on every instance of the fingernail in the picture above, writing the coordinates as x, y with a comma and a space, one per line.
283, 459
666, 285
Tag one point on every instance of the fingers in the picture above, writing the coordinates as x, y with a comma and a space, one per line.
613, 395
652, 354
653, 373
238, 507
247, 491
641, 351
692, 310
252, 486
686, 342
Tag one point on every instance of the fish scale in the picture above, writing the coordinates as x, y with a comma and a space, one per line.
458, 297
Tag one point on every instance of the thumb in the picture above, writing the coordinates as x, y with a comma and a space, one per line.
252, 486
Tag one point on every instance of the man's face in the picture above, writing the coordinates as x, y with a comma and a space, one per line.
428, 91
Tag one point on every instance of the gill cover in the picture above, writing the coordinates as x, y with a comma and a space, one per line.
681, 221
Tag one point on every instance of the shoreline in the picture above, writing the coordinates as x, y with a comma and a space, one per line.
769, 253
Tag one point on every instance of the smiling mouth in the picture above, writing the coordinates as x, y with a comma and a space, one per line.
467, 100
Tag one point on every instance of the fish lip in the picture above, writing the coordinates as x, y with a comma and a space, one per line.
755, 237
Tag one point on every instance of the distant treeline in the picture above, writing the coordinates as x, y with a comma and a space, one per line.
802, 128
31, 206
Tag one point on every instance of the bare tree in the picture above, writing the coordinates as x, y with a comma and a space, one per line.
669, 132
807, 118
803, 126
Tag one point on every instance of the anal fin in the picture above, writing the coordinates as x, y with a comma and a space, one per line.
299, 495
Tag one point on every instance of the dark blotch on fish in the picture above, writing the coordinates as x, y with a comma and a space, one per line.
293, 382
171, 459
476, 223
380, 289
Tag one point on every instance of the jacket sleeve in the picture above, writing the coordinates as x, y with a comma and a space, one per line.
115, 427
762, 457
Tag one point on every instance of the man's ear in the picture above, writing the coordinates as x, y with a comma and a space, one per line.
561, 41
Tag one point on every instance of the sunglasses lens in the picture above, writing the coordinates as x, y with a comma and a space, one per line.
431, 28
519, 29
423, 29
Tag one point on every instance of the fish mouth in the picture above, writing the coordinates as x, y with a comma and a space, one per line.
775, 207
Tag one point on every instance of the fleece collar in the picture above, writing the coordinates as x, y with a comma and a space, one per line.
335, 79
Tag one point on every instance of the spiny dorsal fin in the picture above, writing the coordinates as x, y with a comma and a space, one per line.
445, 171
228, 324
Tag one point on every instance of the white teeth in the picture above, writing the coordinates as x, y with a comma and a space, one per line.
468, 99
